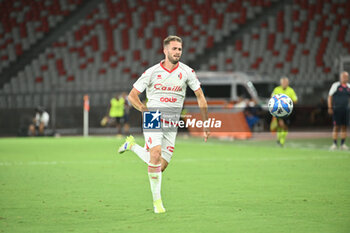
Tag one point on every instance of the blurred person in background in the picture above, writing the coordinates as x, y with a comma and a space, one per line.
40, 122
252, 113
319, 115
126, 112
116, 111
338, 100
281, 124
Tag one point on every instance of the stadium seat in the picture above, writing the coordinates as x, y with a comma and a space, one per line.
302, 39
107, 48
22, 23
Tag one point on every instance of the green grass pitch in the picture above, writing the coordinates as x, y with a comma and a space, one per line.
75, 184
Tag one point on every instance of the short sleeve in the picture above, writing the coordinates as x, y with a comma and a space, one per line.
45, 118
333, 89
294, 96
193, 81
274, 92
141, 84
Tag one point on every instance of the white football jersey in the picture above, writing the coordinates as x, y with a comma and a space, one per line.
42, 118
166, 89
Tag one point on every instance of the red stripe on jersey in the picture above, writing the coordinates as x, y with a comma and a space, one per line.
197, 89
161, 64
136, 89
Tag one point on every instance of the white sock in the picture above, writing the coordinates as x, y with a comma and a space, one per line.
155, 179
141, 152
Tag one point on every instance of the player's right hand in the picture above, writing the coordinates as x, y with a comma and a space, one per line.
330, 111
143, 108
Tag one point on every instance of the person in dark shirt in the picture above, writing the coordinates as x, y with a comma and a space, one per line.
338, 100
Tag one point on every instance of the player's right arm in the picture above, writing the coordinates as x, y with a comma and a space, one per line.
139, 86
135, 101
330, 98
293, 96
330, 109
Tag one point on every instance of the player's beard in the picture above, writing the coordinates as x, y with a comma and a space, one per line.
172, 60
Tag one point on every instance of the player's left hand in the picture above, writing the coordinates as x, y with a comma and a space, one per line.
206, 134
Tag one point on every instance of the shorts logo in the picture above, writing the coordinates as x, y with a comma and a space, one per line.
170, 148
166, 99
151, 120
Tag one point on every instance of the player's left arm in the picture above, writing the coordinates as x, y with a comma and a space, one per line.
294, 97
203, 106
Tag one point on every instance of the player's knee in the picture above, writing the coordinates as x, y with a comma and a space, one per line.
164, 165
31, 127
156, 154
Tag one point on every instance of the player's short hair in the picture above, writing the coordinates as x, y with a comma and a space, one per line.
284, 78
167, 40
344, 72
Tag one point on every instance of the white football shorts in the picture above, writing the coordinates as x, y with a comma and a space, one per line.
165, 139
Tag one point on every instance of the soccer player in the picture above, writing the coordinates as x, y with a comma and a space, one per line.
283, 123
338, 99
165, 84
40, 122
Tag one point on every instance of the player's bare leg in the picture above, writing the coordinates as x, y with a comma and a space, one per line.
343, 137
156, 165
32, 130
126, 128
155, 178
335, 138
164, 164
41, 129
119, 128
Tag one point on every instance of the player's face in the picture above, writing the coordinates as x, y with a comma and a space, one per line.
344, 78
284, 83
173, 51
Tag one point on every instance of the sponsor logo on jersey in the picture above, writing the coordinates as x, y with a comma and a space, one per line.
166, 99
196, 75
159, 86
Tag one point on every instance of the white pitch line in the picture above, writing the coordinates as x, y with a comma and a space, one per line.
265, 159
180, 160
35, 163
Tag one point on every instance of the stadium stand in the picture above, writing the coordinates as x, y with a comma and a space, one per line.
119, 39
22, 23
107, 48
301, 41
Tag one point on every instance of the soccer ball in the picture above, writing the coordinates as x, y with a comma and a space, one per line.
280, 105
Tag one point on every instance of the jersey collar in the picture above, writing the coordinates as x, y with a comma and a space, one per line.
170, 71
